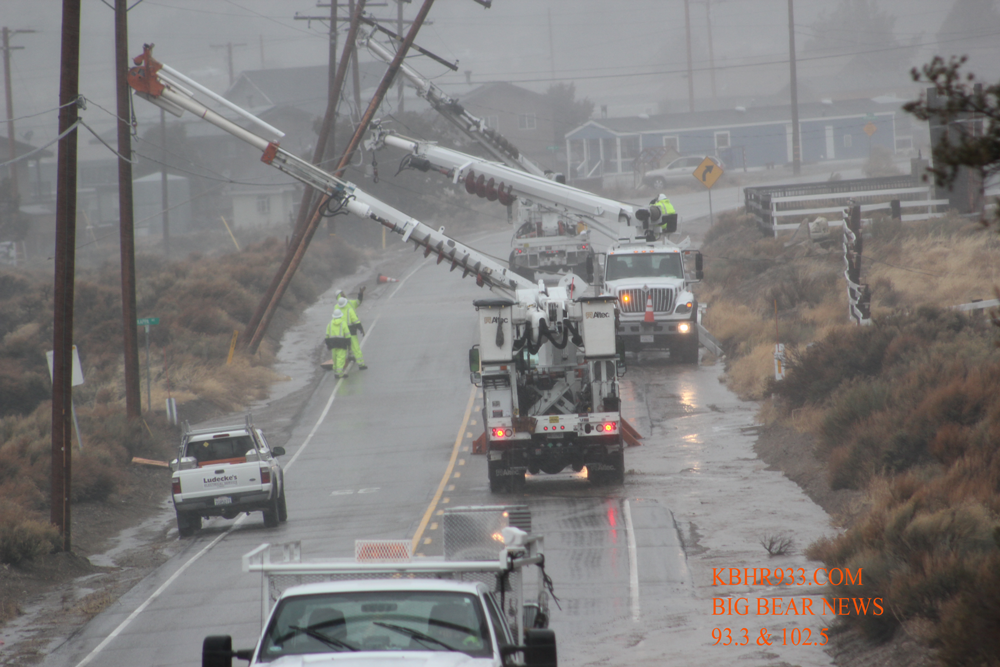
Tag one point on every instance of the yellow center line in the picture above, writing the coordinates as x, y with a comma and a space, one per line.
447, 473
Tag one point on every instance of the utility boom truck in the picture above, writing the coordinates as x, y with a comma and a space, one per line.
647, 273
478, 607
547, 359
545, 242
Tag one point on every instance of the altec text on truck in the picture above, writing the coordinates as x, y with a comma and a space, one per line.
387, 607
225, 471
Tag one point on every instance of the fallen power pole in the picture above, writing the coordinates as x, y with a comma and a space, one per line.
257, 326
65, 267
310, 230
126, 230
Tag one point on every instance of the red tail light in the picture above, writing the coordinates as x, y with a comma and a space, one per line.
608, 427
501, 432
176, 485
265, 475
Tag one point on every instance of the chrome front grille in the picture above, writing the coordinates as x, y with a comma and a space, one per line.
663, 300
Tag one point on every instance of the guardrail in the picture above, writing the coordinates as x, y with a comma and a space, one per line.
772, 204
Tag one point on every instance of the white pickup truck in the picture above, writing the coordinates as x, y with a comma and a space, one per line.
386, 608
225, 471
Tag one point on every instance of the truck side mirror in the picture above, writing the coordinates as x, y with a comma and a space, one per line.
278, 451
539, 649
698, 272
474, 365
217, 651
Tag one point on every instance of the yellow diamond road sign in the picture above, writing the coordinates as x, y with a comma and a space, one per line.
708, 172
870, 128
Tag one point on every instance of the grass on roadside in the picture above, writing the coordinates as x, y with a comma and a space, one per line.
906, 410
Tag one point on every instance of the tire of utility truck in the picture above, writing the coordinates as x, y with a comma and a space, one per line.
271, 514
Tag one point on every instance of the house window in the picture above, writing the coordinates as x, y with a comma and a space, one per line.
263, 204
672, 143
847, 141
630, 148
721, 140
526, 121
493, 122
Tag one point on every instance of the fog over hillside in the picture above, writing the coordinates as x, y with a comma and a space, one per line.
628, 57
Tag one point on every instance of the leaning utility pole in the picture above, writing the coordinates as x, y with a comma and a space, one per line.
11, 141
65, 267
796, 146
126, 222
261, 318
380, 93
687, 28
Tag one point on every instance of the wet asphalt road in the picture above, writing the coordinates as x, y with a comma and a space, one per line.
379, 455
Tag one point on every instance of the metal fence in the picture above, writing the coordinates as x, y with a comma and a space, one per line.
781, 208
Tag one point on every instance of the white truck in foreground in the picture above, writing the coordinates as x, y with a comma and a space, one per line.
225, 471
387, 607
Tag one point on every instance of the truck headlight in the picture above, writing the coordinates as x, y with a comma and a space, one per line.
684, 307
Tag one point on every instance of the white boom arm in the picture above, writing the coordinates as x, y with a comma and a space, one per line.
614, 219
172, 97
449, 107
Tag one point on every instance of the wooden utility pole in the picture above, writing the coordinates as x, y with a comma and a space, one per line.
687, 28
11, 140
126, 222
165, 186
65, 267
380, 93
261, 317
711, 49
796, 146
228, 46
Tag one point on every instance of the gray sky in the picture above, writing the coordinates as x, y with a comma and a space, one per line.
628, 54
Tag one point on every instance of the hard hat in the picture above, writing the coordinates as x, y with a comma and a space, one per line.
341, 302
337, 314
661, 196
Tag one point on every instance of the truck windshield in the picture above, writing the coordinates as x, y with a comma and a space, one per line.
644, 266
377, 621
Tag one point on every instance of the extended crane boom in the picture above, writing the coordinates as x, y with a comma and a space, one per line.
147, 79
449, 107
499, 182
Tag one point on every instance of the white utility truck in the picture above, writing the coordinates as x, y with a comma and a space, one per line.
644, 270
484, 604
225, 471
547, 357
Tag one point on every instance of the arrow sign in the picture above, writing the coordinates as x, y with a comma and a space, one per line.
708, 172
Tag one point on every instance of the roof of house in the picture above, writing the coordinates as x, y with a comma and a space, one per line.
737, 117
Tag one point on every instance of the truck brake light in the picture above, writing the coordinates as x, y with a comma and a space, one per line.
265, 475
607, 427
501, 432
175, 485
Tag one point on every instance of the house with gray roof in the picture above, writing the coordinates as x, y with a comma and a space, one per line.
741, 137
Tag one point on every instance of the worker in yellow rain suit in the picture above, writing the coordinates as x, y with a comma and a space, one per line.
338, 339
666, 208
349, 306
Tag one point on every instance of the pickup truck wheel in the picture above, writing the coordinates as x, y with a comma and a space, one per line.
659, 182
271, 515
282, 508
188, 523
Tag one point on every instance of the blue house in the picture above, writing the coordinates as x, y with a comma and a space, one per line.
754, 137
